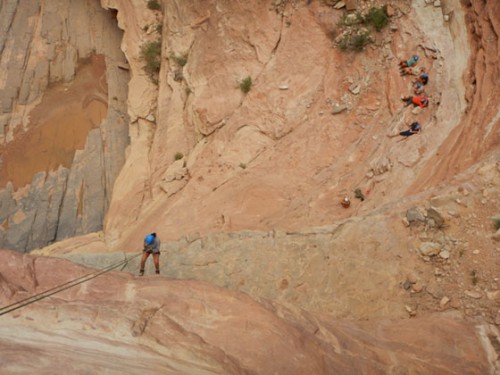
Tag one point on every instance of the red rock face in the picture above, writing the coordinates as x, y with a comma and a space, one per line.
479, 132
207, 159
277, 157
121, 324
274, 157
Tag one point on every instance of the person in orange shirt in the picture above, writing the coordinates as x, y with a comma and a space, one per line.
420, 101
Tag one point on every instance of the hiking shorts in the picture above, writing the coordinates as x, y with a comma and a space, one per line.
151, 250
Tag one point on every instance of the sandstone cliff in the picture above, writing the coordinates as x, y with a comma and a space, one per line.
119, 324
63, 120
244, 188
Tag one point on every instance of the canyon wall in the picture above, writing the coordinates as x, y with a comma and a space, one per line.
282, 155
64, 121
204, 156
262, 270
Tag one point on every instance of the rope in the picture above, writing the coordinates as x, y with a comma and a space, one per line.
62, 287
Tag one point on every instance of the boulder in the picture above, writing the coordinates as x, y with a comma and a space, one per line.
436, 217
429, 249
415, 216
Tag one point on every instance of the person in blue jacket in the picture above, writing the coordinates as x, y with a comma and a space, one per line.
151, 246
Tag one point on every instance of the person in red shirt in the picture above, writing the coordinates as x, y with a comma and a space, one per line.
420, 101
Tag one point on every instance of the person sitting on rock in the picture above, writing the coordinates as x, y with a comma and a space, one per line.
420, 101
423, 77
413, 128
407, 72
418, 89
412, 61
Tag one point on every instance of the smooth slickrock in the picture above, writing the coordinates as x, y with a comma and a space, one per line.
117, 323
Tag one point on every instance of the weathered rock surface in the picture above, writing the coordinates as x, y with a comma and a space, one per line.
297, 162
253, 204
63, 119
120, 324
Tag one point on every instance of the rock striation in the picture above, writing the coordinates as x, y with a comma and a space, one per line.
236, 148
266, 159
63, 119
120, 324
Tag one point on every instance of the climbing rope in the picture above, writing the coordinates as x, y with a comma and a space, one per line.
62, 287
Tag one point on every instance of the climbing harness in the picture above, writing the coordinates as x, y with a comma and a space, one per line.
62, 287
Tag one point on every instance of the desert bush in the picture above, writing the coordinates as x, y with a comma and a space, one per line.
151, 54
351, 19
359, 41
180, 60
343, 42
178, 156
246, 84
377, 17
354, 41
154, 5
496, 222
357, 28
474, 277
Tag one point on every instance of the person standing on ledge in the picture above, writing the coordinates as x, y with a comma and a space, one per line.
151, 246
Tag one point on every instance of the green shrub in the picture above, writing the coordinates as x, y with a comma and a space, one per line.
179, 60
359, 194
354, 41
178, 156
496, 222
151, 54
351, 19
378, 17
246, 84
357, 35
154, 5
359, 41
344, 43
243, 165
474, 277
